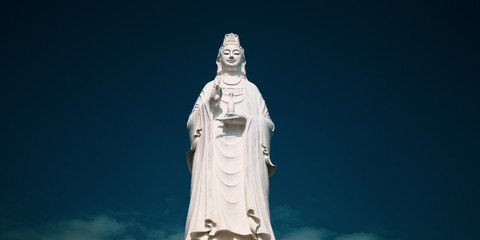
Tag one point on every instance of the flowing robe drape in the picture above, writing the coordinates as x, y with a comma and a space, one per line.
207, 214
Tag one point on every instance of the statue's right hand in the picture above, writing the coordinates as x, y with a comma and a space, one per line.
215, 94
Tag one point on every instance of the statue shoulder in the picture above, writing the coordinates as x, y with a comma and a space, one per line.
208, 86
252, 88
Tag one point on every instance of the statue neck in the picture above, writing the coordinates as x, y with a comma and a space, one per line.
232, 78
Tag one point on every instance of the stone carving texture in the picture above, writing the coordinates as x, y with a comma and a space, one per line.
229, 158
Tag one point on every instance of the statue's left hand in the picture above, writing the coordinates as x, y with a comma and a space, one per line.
234, 119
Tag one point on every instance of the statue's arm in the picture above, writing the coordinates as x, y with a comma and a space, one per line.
195, 112
264, 114
201, 111
267, 132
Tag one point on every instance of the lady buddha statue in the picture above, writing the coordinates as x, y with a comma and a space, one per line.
229, 159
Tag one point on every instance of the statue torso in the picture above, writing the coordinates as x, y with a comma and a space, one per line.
229, 160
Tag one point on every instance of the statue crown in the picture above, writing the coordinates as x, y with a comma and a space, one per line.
231, 38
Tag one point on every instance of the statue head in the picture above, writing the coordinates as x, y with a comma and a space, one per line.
231, 55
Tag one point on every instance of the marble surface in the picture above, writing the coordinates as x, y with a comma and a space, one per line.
229, 159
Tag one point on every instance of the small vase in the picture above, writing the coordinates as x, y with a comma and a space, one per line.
231, 104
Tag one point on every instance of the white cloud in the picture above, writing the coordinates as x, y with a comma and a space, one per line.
285, 213
285, 219
358, 236
124, 225
99, 227
158, 234
178, 236
307, 233
288, 225
96, 228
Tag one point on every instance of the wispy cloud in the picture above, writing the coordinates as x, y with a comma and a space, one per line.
358, 236
285, 213
310, 233
157, 234
99, 227
96, 228
288, 225
285, 219
307, 233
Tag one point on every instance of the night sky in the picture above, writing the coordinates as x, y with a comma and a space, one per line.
376, 106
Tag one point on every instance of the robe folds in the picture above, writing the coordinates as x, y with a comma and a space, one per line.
230, 178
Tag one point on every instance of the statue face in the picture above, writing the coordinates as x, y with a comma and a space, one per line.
231, 58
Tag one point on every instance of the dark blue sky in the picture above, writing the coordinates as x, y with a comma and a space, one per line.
376, 106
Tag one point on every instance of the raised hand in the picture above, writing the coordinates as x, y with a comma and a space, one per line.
215, 94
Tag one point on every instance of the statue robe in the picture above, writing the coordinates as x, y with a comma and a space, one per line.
230, 167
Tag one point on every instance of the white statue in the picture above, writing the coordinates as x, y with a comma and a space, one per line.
229, 159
